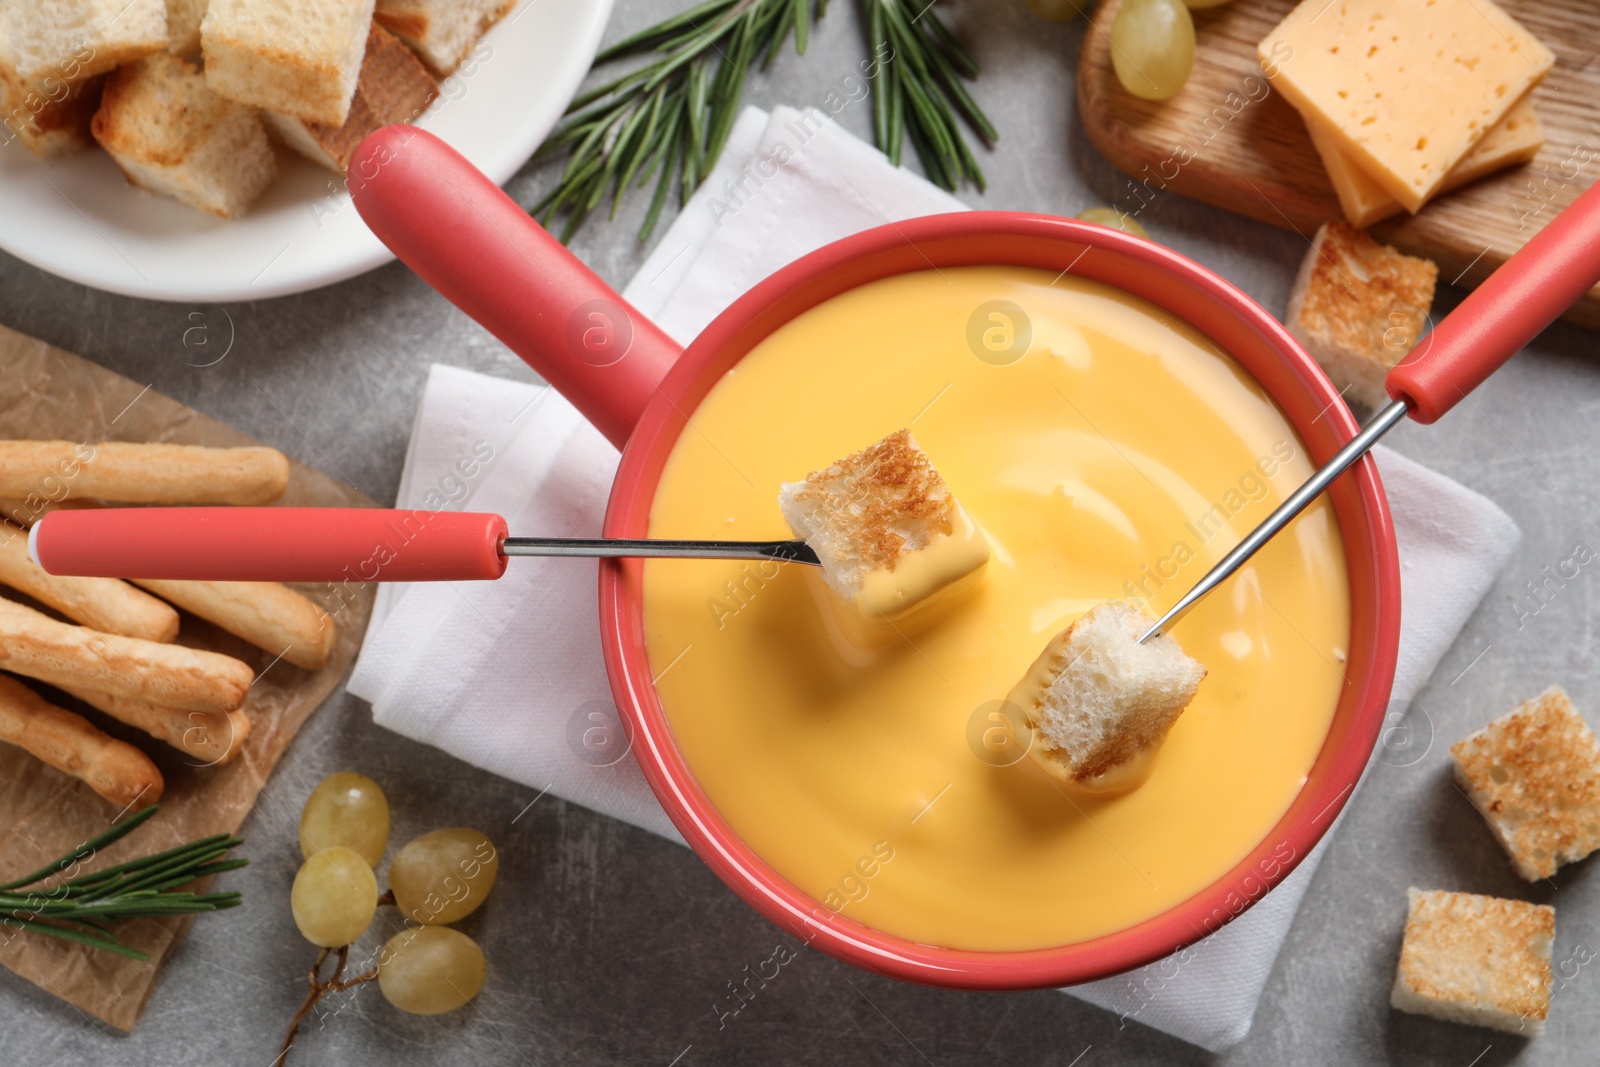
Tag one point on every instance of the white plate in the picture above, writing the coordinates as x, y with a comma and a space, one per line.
78, 218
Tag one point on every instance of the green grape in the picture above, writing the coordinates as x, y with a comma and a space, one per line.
346, 809
430, 969
1058, 10
334, 897
1152, 47
1109, 216
443, 876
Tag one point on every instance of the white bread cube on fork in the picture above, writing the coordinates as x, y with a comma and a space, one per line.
296, 57
171, 134
1476, 960
394, 87
891, 537
1096, 700
73, 40
1534, 774
443, 32
1358, 307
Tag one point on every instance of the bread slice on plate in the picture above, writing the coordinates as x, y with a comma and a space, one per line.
183, 26
1098, 702
48, 116
295, 57
171, 134
394, 87
73, 40
1358, 307
1535, 775
1476, 960
442, 31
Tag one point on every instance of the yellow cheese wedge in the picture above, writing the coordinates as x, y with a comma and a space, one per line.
1405, 89
1515, 139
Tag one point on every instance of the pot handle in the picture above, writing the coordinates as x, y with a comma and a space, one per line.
1557, 266
471, 242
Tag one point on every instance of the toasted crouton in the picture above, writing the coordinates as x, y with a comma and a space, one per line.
49, 115
889, 534
171, 134
76, 39
183, 26
1358, 307
394, 87
442, 31
1535, 775
1096, 699
295, 57
1476, 960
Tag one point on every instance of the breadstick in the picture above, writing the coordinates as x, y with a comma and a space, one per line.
142, 473
213, 737
105, 604
268, 615
61, 654
114, 769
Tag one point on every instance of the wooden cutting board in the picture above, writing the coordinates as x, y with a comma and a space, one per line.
1229, 139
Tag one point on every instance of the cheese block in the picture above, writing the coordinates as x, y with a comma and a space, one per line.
1515, 139
1405, 89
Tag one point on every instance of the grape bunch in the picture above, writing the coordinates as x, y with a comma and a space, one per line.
440, 877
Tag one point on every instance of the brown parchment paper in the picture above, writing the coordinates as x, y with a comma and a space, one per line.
51, 394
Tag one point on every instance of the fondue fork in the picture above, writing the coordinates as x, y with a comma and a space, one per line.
331, 544
1539, 282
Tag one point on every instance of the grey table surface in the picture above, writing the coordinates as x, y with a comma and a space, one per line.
609, 945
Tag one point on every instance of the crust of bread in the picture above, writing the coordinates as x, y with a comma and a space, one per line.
1534, 773
394, 87
260, 53
1358, 307
1476, 960
442, 32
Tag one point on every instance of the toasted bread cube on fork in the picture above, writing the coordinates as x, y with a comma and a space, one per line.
1098, 702
443, 32
295, 57
1358, 307
73, 40
893, 540
394, 87
1534, 773
171, 134
1476, 960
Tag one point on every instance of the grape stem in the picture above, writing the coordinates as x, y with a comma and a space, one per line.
319, 989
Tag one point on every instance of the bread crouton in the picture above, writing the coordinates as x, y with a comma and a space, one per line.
183, 26
171, 134
442, 31
1535, 775
76, 39
49, 116
889, 533
394, 87
1476, 960
1358, 307
1096, 699
295, 57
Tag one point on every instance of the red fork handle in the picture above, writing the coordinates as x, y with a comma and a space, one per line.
1557, 266
271, 544
471, 242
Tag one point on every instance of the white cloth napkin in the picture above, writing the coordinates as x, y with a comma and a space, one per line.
508, 675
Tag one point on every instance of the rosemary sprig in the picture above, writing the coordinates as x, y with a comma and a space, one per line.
669, 118
84, 909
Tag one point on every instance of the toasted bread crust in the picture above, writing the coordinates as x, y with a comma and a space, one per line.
892, 483
1535, 775
1476, 959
